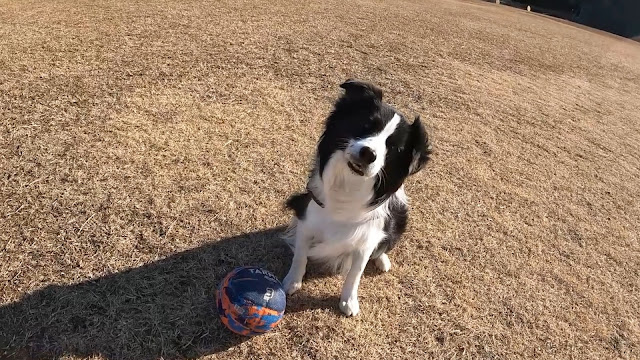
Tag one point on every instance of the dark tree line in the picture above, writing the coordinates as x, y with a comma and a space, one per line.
620, 17
560, 5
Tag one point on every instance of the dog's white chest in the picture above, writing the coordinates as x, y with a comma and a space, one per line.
346, 195
332, 237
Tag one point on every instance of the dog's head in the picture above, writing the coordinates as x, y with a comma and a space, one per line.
372, 138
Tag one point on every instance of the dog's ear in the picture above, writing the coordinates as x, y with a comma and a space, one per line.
421, 146
357, 89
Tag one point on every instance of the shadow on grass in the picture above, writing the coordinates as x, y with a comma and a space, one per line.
163, 309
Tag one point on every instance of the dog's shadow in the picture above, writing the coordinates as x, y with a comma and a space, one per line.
163, 309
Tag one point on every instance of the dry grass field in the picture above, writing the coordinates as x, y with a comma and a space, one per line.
146, 148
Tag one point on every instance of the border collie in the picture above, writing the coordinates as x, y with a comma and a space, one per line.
354, 207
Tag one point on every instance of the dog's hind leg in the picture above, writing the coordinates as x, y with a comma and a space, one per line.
383, 263
380, 257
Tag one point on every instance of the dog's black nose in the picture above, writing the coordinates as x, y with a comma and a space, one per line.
367, 155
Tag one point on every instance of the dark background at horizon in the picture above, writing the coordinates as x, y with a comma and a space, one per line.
621, 17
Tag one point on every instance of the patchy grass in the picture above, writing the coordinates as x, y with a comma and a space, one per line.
146, 148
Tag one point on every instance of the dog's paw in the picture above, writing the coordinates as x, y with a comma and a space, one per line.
291, 285
383, 263
350, 307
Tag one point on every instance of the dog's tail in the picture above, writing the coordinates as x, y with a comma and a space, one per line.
330, 260
289, 235
298, 203
339, 265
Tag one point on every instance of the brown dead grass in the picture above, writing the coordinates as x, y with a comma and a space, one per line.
146, 148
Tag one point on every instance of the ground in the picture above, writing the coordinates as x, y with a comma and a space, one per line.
146, 148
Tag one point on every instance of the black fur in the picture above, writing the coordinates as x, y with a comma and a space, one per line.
394, 227
299, 203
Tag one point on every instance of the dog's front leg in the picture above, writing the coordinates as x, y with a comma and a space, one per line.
349, 299
293, 281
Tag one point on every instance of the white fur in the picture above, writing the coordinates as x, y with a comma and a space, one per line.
378, 143
345, 232
383, 263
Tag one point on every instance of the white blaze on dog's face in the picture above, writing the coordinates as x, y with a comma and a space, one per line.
366, 156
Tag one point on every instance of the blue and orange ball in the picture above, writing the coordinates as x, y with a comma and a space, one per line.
250, 300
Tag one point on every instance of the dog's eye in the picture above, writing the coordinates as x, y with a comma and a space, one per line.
371, 125
392, 145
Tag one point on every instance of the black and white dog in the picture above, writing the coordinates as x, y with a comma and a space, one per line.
355, 208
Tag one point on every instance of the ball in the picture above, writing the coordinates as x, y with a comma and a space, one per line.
250, 301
